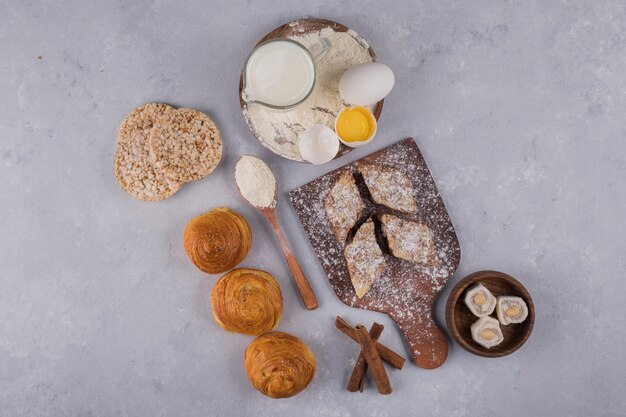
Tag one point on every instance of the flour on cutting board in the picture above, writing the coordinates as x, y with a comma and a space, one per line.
278, 130
405, 290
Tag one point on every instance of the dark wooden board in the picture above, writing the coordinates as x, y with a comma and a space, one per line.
460, 319
303, 27
405, 291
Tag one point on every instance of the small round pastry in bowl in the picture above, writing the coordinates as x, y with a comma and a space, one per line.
279, 365
218, 240
247, 301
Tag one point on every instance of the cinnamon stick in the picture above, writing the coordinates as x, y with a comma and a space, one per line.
386, 354
360, 367
368, 349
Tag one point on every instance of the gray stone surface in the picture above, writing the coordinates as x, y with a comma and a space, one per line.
518, 107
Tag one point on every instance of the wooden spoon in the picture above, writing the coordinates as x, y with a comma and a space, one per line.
269, 212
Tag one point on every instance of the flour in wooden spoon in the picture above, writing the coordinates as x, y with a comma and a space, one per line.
255, 181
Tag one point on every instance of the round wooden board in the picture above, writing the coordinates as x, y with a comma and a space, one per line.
298, 28
459, 318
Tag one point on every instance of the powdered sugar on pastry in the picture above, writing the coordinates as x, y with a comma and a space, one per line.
390, 187
364, 258
404, 290
344, 205
409, 240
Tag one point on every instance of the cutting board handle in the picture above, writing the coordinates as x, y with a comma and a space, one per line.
427, 343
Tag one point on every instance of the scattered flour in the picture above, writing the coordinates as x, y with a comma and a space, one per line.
404, 290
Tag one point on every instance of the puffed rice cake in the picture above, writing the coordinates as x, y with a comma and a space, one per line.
185, 144
135, 169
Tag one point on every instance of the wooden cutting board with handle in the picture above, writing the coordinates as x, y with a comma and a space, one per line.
404, 290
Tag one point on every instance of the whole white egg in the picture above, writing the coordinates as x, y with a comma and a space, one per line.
318, 144
366, 84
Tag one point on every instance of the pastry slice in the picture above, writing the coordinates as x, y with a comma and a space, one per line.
409, 240
480, 301
364, 258
486, 332
343, 206
390, 187
511, 310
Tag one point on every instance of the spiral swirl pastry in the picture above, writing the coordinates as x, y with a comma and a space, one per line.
218, 240
279, 365
247, 301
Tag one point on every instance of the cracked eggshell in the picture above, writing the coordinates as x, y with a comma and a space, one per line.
366, 84
318, 144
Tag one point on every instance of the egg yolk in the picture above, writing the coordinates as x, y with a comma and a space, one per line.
355, 124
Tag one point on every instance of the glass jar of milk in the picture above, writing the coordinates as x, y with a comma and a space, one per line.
280, 73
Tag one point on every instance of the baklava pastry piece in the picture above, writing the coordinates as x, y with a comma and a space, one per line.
390, 187
218, 240
511, 310
364, 258
486, 332
343, 206
279, 365
409, 240
247, 301
480, 300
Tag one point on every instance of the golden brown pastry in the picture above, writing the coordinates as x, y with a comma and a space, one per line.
217, 240
247, 301
409, 240
279, 365
343, 206
364, 258
390, 187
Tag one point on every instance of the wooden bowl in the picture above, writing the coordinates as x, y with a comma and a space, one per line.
459, 318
